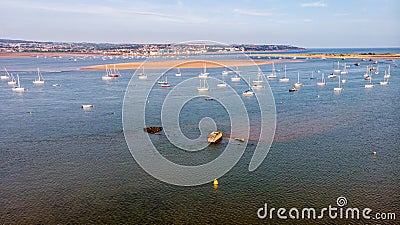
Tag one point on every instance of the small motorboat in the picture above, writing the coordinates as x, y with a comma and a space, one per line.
87, 106
166, 85
248, 93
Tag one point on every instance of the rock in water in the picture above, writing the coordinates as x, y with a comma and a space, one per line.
153, 130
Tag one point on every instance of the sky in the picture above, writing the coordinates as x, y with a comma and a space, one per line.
303, 23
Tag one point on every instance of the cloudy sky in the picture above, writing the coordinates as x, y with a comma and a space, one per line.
308, 23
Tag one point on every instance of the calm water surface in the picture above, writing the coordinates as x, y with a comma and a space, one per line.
62, 164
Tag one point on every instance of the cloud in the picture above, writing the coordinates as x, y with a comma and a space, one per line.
313, 4
251, 12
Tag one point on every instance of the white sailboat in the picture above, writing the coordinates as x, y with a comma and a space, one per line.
142, 75
377, 70
204, 74
163, 80
337, 70
284, 79
18, 88
40, 79
259, 77
257, 86
249, 92
293, 89
203, 85
12, 82
322, 82
332, 75
344, 71
387, 76
338, 89
273, 74
385, 80
370, 85
178, 74
298, 84
106, 77
6, 75
367, 74
236, 78
223, 83
225, 72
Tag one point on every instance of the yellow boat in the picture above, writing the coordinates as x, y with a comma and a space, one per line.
214, 136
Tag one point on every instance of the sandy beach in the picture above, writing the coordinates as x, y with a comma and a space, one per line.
186, 64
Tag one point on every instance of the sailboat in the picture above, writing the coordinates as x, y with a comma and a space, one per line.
249, 92
203, 85
178, 74
273, 74
377, 70
312, 76
223, 83
385, 80
367, 75
18, 88
6, 75
259, 77
142, 75
225, 72
338, 89
293, 89
257, 83
12, 82
344, 71
322, 82
107, 76
284, 79
298, 84
164, 82
387, 76
113, 73
40, 78
370, 85
236, 78
337, 70
204, 74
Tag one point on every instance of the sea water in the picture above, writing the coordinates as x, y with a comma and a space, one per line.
62, 164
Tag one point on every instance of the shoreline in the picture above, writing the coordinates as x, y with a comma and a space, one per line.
45, 54
193, 64
252, 53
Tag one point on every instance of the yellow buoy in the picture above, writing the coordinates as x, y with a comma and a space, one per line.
374, 153
215, 182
